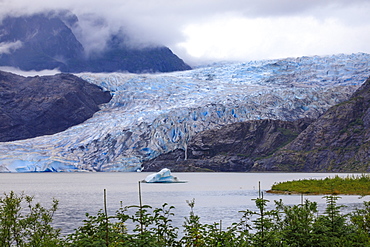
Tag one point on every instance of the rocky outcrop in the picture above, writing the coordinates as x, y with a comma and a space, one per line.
46, 41
232, 148
35, 106
338, 141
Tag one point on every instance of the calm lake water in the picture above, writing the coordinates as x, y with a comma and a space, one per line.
218, 196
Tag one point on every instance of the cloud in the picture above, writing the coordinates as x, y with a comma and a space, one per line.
208, 30
239, 38
8, 47
29, 72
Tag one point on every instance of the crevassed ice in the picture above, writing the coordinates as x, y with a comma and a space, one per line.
151, 114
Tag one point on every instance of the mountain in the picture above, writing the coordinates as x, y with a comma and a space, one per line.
36, 106
39, 42
339, 141
150, 115
46, 41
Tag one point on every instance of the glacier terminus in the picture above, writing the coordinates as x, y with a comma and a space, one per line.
151, 114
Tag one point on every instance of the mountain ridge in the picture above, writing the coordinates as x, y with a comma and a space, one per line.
338, 141
46, 41
45, 105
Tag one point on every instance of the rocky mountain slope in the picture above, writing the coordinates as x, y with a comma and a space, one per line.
46, 41
338, 141
35, 106
231, 148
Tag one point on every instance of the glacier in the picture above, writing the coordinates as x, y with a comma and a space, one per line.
151, 114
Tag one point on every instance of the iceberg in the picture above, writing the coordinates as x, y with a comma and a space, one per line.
152, 114
163, 176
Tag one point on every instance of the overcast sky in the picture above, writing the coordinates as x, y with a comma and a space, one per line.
202, 31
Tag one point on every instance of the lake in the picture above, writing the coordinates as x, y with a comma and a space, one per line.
218, 196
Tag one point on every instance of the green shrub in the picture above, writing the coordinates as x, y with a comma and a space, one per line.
25, 223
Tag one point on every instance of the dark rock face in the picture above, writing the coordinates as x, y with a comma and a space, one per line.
338, 141
145, 60
35, 106
233, 148
45, 41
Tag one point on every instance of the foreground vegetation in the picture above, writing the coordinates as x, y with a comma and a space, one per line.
25, 223
350, 185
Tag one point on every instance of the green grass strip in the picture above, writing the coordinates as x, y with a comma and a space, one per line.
350, 185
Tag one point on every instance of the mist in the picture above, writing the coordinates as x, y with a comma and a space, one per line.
8, 47
29, 72
202, 31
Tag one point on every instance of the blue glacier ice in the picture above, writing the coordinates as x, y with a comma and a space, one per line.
151, 114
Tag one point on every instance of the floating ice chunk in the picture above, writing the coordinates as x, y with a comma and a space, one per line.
163, 176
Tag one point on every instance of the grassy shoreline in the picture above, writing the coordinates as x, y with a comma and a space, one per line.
350, 185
